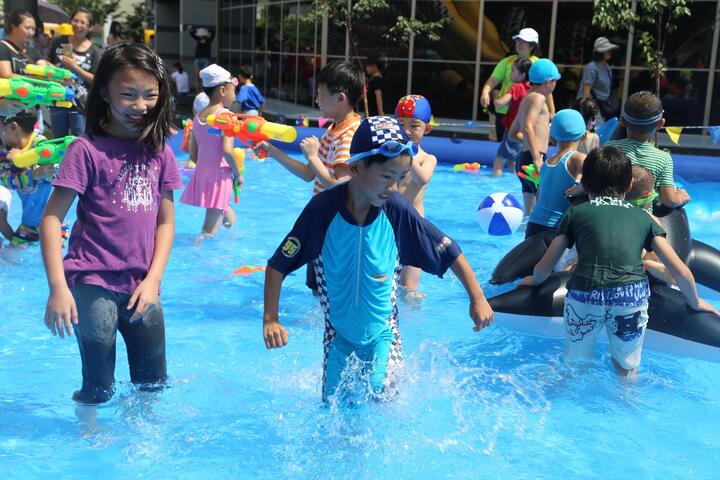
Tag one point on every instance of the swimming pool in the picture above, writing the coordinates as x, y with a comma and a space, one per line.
494, 404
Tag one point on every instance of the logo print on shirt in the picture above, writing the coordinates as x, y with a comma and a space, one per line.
445, 242
291, 247
137, 191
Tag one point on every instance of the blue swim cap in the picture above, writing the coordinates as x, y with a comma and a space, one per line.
414, 106
373, 132
567, 126
543, 70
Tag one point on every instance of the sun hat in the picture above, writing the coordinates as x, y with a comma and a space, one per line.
602, 45
214, 75
567, 125
543, 71
528, 34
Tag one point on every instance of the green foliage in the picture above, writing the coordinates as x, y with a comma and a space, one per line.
99, 8
653, 22
137, 20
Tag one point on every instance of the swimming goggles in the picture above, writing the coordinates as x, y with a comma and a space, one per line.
639, 202
390, 149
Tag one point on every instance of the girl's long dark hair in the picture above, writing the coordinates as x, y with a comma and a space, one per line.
158, 123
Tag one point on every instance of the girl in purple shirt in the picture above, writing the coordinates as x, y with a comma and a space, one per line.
123, 175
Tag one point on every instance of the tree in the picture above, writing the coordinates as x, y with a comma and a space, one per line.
654, 21
99, 8
348, 13
136, 21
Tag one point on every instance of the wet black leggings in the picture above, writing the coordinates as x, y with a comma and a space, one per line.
101, 313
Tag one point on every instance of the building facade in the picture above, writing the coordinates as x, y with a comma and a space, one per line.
286, 50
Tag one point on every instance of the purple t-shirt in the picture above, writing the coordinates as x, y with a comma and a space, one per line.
119, 188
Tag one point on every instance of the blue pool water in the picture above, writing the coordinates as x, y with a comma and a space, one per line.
494, 404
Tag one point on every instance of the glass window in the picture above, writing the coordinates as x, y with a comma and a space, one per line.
307, 73
503, 20
447, 85
261, 27
458, 40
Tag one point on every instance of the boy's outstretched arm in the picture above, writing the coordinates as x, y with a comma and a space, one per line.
545, 266
682, 274
672, 197
297, 168
275, 335
480, 311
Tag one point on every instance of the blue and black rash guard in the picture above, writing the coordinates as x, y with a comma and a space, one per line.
358, 266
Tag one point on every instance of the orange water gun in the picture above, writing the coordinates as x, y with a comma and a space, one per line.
187, 126
251, 129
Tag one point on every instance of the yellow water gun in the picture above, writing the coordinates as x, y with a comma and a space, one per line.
32, 92
46, 152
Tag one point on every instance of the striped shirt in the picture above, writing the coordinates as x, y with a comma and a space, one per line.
335, 146
658, 162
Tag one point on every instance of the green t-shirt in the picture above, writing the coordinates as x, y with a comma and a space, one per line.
610, 235
501, 73
658, 162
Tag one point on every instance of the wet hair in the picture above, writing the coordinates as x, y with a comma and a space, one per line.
87, 12
246, 71
25, 119
642, 105
16, 18
342, 77
158, 123
588, 108
377, 61
522, 65
643, 183
607, 172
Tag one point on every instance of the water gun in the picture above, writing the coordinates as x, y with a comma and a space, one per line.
50, 72
247, 270
32, 92
251, 129
466, 167
239, 155
530, 173
187, 126
46, 152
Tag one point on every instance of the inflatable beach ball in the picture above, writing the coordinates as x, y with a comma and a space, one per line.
500, 214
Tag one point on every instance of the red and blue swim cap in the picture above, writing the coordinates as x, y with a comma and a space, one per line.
414, 106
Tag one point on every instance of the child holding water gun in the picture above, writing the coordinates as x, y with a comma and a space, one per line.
123, 175
211, 185
413, 112
32, 183
340, 86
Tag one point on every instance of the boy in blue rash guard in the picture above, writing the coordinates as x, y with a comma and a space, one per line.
359, 234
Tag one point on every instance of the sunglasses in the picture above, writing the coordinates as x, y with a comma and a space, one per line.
388, 149
639, 202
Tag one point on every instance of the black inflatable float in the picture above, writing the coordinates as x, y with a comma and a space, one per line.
673, 326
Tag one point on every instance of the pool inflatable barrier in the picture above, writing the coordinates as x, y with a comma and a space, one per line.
673, 326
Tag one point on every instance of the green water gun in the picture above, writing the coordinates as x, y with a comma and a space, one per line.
50, 72
239, 155
32, 92
46, 152
530, 173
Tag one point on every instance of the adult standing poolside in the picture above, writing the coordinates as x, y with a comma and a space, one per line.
203, 51
78, 54
597, 79
526, 41
15, 50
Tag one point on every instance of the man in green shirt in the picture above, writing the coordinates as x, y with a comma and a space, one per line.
643, 115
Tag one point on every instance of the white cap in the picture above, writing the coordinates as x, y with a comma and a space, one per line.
528, 34
202, 32
201, 101
602, 45
214, 75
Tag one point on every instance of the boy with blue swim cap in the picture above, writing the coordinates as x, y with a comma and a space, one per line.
413, 112
359, 235
533, 120
560, 173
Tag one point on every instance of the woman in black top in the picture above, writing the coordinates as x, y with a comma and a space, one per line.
83, 62
15, 51
203, 51
374, 67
